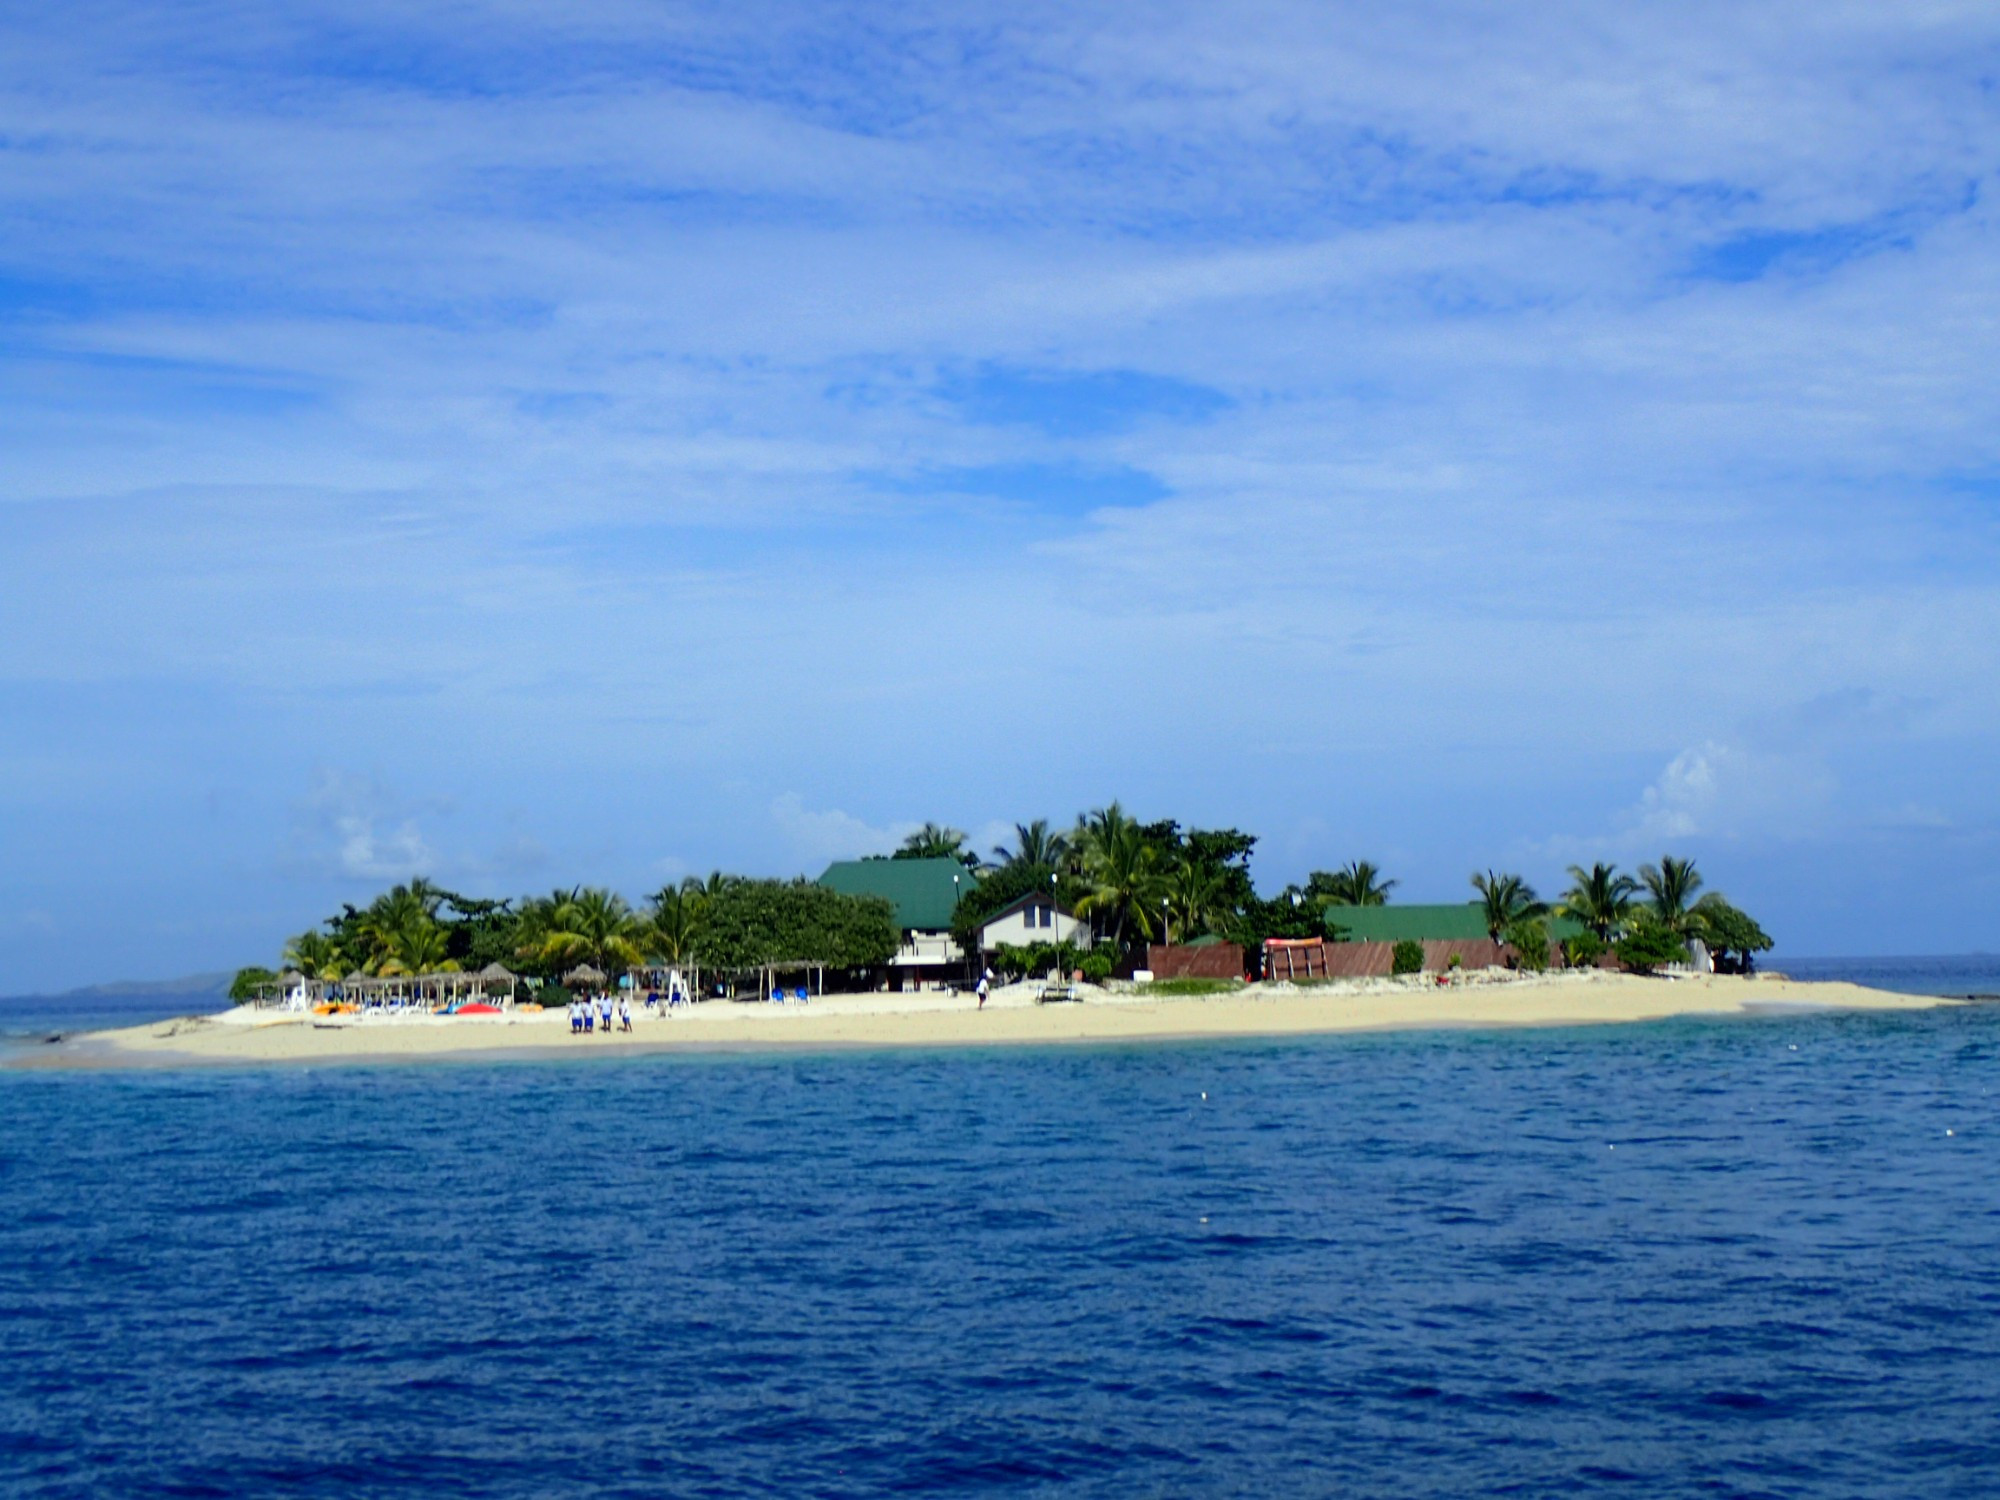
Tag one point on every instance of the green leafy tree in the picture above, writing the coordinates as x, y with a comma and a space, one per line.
753, 923
1648, 945
478, 931
1506, 899
1530, 941
1733, 936
1289, 914
244, 986
1600, 898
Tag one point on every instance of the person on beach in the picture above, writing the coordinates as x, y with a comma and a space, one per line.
589, 1015
625, 1014
604, 1013
575, 1019
985, 980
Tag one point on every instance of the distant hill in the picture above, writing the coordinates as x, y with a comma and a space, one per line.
193, 986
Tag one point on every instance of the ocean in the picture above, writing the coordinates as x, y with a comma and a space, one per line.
1962, 975
1746, 1257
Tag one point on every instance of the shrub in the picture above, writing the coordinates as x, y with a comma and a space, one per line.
1649, 946
1040, 958
1190, 986
1530, 941
244, 985
1583, 950
1408, 957
1096, 967
1456, 961
553, 997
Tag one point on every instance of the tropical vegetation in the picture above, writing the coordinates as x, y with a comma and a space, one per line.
1131, 882
1599, 897
1505, 900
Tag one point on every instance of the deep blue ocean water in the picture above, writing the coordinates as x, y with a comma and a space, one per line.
1695, 1258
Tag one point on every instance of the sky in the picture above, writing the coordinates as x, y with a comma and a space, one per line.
528, 445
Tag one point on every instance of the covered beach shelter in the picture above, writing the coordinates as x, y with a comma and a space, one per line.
584, 974
493, 976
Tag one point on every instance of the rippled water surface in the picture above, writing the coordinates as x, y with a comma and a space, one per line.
1720, 1258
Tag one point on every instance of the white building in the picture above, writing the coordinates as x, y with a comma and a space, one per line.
1034, 918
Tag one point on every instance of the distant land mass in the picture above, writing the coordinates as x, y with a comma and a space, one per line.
136, 989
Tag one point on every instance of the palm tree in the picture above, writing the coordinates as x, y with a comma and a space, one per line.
935, 841
589, 924
675, 919
315, 955
418, 947
1034, 847
1600, 898
1122, 871
1672, 884
1507, 899
1196, 895
1356, 884
391, 917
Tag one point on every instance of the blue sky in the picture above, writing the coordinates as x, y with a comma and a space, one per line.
528, 444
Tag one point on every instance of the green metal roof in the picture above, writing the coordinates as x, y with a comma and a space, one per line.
921, 890
1446, 924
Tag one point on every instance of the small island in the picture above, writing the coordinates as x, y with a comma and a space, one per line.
1141, 931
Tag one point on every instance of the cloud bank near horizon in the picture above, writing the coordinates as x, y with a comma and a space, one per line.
534, 447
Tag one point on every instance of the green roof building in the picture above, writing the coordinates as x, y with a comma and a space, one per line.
924, 892
1445, 924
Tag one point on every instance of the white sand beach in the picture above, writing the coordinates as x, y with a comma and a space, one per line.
1011, 1016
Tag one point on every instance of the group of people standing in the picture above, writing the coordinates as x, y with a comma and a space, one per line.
597, 1013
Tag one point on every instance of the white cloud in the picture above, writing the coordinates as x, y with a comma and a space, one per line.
831, 834
1713, 791
350, 825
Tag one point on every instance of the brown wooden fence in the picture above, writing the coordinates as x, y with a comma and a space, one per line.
1210, 961
1314, 960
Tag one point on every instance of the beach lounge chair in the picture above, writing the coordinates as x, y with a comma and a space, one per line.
800, 993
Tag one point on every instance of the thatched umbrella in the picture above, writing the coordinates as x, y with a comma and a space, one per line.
497, 973
584, 974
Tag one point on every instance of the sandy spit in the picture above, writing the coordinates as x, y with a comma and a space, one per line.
1475, 1002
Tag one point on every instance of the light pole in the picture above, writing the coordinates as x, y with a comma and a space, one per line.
1055, 930
1166, 931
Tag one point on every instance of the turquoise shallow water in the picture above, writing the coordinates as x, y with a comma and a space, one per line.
1694, 1258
